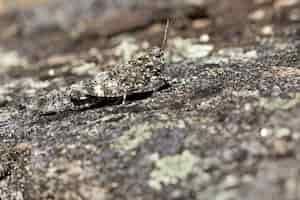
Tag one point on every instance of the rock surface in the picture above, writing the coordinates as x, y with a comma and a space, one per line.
226, 127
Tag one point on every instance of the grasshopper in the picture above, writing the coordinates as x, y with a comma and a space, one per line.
138, 79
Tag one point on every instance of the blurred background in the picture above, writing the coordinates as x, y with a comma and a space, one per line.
39, 28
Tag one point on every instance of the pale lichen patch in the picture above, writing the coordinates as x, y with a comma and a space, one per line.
172, 169
133, 137
188, 48
10, 59
138, 134
126, 49
84, 68
238, 54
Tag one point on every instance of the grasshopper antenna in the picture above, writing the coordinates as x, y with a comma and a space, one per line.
165, 39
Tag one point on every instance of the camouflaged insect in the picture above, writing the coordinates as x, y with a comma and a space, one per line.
138, 79
141, 76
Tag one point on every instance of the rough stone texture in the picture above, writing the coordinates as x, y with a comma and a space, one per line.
227, 127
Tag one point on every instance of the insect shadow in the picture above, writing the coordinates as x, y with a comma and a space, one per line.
98, 102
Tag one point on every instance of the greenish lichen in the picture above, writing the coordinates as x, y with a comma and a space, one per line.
215, 59
10, 59
275, 103
238, 54
126, 49
189, 48
84, 68
133, 137
138, 134
171, 169
278, 132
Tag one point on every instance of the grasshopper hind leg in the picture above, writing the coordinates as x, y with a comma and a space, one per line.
124, 98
